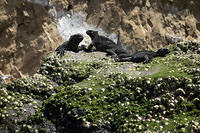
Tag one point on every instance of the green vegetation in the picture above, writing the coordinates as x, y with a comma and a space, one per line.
88, 95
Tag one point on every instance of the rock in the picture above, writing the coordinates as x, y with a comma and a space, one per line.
90, 92
26, 37
29, 31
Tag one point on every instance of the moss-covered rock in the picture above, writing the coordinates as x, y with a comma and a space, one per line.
89, 92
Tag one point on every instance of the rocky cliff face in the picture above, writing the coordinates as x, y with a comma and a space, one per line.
28, 33
146, 24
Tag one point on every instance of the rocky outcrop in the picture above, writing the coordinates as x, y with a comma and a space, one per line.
27, 34
146, 24
89, 92
28, 31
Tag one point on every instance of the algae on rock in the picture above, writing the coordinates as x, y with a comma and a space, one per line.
89, 92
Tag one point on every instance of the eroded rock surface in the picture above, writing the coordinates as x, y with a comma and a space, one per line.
145, 24
28, 31
27, 34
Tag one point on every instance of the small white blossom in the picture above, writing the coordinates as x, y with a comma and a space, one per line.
148, 81
102, 89
9, 97
89, 89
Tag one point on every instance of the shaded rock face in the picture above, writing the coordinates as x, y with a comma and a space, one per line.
27, 33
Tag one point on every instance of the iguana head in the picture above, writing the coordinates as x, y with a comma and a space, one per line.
92, 33
76, 38
163, 51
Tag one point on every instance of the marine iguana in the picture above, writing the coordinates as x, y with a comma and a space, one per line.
70, 45
142, 56
121, 47
105, 44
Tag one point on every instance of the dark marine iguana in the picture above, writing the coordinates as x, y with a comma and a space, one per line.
70, 45
121, 47
142, 56
104, 44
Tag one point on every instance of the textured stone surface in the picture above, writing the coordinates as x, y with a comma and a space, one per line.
28, 32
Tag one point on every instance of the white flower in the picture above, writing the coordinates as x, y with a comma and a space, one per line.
180, 98
183, 129
89, 89
16, 103
171, 105
158, 99
9, 97
35, 102
156, 106
139, 118
180, 91
29, 126
127, 103
166, 119
3, 116
102, 89
87, 124
148, 81
196, 123
157, 121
